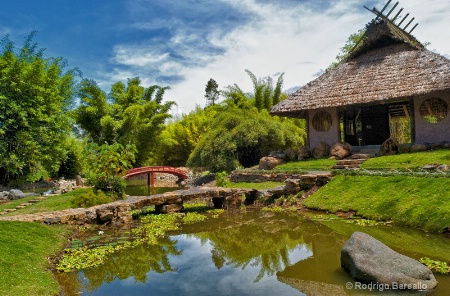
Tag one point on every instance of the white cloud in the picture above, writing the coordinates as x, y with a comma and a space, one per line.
137, 56
296, 39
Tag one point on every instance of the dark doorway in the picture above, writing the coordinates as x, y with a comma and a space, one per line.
375, 124
368, 125
351, 126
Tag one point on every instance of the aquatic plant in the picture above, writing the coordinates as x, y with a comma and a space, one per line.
193, 217
152, 228
434, 265
279, 209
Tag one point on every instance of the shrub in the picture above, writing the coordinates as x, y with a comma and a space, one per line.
91, 199
108, 165
222, 179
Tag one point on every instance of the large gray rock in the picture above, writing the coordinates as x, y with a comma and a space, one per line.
16, 194
4, 195
291, 154
277, 154
369, 260
340, 150
303, 153
321, 150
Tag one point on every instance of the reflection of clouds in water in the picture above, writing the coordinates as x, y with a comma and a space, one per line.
299, 253
197, 275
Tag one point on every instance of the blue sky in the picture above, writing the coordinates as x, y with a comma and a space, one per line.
184, 43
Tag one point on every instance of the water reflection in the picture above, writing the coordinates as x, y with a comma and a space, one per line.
139, 190
135, 263
254, 253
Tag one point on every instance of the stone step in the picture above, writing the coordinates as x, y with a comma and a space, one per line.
345, 167
350, 161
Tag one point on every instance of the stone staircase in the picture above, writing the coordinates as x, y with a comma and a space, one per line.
359, 155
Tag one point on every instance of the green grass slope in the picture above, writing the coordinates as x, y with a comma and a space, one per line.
24, 269
410, 201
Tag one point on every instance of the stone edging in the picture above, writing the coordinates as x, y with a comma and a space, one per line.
118, 212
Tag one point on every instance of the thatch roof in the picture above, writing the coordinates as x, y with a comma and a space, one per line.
389, 65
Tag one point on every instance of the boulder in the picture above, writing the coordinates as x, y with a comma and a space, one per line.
389, 147
290, 154
303, 153
419, 148
340, 150
368, 260
437, 146
4, 195
278, 154
16, 194
269, 162
322, 150
79, 181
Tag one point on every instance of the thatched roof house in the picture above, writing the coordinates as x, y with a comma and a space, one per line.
391, 78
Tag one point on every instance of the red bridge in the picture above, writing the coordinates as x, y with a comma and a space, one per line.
157, 169
150, 172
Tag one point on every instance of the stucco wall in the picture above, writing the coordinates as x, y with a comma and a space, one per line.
431, 132
331, 136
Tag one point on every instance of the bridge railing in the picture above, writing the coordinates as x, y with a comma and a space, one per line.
157, 169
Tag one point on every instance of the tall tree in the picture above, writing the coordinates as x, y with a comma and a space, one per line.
264, 95
35, 95
241, 137
132, 115
211, 92
94, 108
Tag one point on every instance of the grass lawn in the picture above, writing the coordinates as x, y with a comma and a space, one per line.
408, 161
260, 186
52, 203
24, 269
410, 201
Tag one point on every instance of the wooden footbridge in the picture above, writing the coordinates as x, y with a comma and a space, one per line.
150, 172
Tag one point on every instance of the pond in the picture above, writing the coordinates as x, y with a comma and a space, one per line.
137, 186
249, 253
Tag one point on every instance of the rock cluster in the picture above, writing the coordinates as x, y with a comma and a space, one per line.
13, 194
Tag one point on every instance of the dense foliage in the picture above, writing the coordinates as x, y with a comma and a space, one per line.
107, 165
241, 137
132, 115
181, 136
35, 95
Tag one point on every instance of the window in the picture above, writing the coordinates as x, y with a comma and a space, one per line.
433, 110
322, 121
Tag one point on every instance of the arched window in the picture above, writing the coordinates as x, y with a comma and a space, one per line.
322, 121
433, 110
